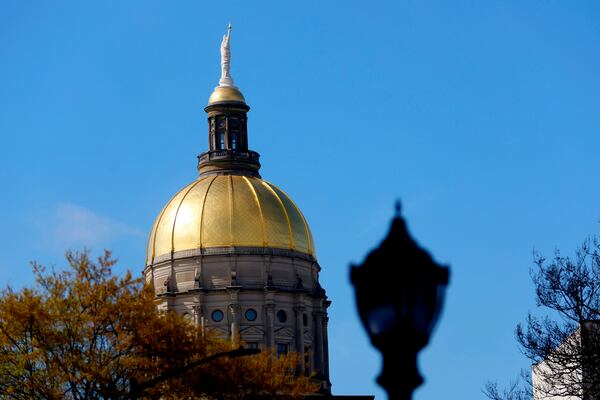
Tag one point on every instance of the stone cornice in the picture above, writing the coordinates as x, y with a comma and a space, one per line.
214, 251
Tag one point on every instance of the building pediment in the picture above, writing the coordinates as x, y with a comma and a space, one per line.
252, 330
284, 333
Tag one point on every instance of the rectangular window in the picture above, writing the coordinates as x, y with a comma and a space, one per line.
221, 140
252, 345
282, 348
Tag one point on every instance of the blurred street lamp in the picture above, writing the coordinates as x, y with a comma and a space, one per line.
399, 295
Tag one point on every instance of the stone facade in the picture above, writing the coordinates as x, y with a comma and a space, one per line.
271, 300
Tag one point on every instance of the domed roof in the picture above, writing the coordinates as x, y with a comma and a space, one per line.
229, 211
226, 94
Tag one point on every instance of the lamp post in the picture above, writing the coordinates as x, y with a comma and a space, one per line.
399, 294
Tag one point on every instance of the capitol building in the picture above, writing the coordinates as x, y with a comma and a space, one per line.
233, 252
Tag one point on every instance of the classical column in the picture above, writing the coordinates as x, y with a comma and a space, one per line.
299, 310
234, 312
325, 348
319, 346
270, 318
169, 302
199, 313
198, 318
270, 325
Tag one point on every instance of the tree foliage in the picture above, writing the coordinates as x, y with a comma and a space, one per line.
265, 375
564, 344
84, 333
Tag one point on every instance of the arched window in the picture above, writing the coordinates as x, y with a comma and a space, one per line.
221, 127
233, 126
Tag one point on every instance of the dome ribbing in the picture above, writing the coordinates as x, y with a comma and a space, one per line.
229, 211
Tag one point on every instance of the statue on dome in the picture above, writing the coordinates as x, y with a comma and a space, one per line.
226, 79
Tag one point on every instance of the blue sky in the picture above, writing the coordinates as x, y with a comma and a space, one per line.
482, 116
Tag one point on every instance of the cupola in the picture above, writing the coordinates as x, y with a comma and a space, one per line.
227, 110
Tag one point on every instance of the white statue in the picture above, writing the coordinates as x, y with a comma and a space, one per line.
226, 79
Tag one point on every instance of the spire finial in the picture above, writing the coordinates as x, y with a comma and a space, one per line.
398, 207
226, 79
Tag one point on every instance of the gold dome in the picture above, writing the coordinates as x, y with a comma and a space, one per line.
229, 211
226, 93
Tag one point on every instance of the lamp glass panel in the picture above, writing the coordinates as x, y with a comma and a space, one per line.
381, 319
